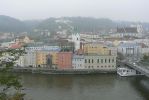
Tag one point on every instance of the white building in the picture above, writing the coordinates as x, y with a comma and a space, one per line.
144, 49
129, 49
145, 41
76, 40
30, 59
78, 62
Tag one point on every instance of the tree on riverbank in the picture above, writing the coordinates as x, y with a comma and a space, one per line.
145, 60
10, 85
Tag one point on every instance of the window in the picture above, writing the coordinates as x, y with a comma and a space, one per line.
92, 61
97, 60
105, 60
109, 60
85, 60
89, 61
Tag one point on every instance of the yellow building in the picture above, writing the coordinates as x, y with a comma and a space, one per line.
41, 58
95, 48
24, 39
54, 57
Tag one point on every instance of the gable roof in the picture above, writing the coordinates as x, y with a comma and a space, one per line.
127, 30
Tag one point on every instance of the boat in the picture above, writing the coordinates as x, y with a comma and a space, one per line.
125, 71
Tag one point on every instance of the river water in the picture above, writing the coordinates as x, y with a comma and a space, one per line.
85, 87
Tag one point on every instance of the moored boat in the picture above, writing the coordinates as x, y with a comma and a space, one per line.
125, 71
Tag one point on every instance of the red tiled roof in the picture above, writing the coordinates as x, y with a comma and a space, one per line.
15, 46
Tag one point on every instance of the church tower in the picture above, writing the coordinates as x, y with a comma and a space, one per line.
76, 40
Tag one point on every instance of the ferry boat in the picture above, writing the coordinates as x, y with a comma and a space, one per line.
125, 71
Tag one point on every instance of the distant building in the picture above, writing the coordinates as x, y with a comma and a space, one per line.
42, 47
96, 48
23, 40
129, 49
54, 57
65, 45
101, 62
30, 59
133, 31
78, 62
96, 56
144, 49
64, 60
41, 58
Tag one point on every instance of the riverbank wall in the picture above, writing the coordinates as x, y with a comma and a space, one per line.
58, 71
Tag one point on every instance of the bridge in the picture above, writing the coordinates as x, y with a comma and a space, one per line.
144, 70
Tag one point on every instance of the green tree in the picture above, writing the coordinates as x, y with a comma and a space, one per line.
8, 80
120, 56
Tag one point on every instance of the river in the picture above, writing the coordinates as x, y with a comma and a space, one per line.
85, 87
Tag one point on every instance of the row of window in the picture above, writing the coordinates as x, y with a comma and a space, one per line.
92, 67
99, 66
100, 60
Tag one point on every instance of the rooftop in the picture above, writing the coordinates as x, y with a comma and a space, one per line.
127, 30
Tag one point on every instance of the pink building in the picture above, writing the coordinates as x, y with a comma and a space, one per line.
64, 60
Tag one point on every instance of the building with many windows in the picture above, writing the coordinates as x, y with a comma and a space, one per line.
102, 62
64, 60
129, 49
131, 31
30, 59
41, 58
78, 62
96, 48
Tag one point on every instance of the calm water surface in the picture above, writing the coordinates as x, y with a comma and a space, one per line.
85, 87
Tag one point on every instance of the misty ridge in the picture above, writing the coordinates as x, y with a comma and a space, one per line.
77, 24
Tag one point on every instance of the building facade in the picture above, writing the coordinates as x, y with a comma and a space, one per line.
41, 58
95, 48
129, 49
100, 62
30, 59
54, 57
132, 31
64, 60
78, 62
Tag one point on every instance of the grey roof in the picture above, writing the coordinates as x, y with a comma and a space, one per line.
127, 30
128, 44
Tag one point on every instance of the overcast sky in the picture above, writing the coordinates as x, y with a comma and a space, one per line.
131, 10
